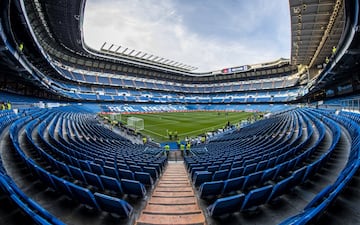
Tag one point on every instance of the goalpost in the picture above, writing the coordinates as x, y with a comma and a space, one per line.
135, 123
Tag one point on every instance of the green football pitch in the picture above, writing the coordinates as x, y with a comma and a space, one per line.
187, 124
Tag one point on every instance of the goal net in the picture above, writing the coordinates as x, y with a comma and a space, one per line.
115, 116
135, 123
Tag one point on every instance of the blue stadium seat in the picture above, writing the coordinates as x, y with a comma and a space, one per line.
253, 179
281, 188
212, 188
114, 205
201, 177
83, 195
268, 174
236, 172
93, 179
237, 164
281, 170
299, 176
110, 171
45, 177
126, 174
144, 178
225, 166
135, 168
213, 168
193, 170
84, 165
111, 184
62, 186
63, 168
226, 205
96, 168
133, 187
261, 165
152, 171
220, 175
233, 184
249, 169
256, 197
77, 174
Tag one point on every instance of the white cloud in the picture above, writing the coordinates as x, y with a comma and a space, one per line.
158, 28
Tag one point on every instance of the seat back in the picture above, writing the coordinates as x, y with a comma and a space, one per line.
111, 184
212, 188
257, 197
114, 205
233, 184
226, 205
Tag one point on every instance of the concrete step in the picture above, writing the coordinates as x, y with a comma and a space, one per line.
173, 200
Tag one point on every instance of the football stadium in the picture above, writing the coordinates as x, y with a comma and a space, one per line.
114, 135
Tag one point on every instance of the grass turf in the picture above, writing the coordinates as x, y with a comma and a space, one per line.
185, 123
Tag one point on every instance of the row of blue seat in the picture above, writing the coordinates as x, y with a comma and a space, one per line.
329, 194
81, 194
258, 178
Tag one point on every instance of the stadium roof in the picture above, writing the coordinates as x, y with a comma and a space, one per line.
63, 22
316, 27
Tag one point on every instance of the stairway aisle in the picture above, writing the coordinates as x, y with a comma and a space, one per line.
173, 200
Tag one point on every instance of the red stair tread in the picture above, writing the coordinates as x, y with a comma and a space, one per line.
173, 200
172, 209
172, 219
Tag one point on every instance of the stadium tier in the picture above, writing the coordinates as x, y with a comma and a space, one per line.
286, 149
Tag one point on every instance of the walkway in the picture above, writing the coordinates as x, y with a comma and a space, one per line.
173, 200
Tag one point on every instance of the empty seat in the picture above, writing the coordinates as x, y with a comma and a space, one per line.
77, 174
63, 168
220, 175
111, 184
135, 168
195, 169
201, 177
256, 197
152, 171
114, 205
110, 171
62, 186
226, 205
122, 166
281, 188
96, 168
233, 184
261, 165
133, 187
236, 172
93, 179
237, 164
212, 188
83, 195
281, 169
45, 177
126, 174
225, 166
84, 165
213, 168
249, 169
268, 174
299, 176
253, 179
144, 178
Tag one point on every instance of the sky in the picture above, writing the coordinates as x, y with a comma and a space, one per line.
207, 34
